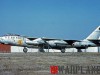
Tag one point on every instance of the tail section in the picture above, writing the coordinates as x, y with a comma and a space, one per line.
94, 35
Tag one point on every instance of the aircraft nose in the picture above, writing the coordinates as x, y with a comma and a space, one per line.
1, 40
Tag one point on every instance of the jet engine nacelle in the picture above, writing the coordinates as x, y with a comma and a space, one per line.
83, 44
57, 43
35, 42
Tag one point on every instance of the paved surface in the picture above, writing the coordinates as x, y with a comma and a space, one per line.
39, 63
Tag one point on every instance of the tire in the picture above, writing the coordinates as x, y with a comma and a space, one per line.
41, 50
25, 50
79, 50
63, 50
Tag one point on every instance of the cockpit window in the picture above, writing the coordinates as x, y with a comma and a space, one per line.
18, 37
13, 37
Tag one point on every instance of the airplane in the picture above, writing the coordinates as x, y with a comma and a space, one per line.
48, 43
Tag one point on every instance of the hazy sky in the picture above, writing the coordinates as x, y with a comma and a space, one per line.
66, 19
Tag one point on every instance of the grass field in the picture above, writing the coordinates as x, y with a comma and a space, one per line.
39, 63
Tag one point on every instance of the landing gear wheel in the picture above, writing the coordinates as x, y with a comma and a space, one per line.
63, 50
25, 50
41, 50
79, 50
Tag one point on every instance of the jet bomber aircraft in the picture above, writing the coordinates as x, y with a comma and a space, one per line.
48, 43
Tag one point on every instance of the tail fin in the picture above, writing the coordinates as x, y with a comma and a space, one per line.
94, 35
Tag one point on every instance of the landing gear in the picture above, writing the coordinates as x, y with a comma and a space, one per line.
79, 50
41, 50
25, 50
63, 50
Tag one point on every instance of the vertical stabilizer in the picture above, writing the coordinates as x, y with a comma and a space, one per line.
95, 34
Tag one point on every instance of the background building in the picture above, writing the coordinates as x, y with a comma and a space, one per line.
10, 49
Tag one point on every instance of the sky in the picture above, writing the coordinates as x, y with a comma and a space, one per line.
64, 19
